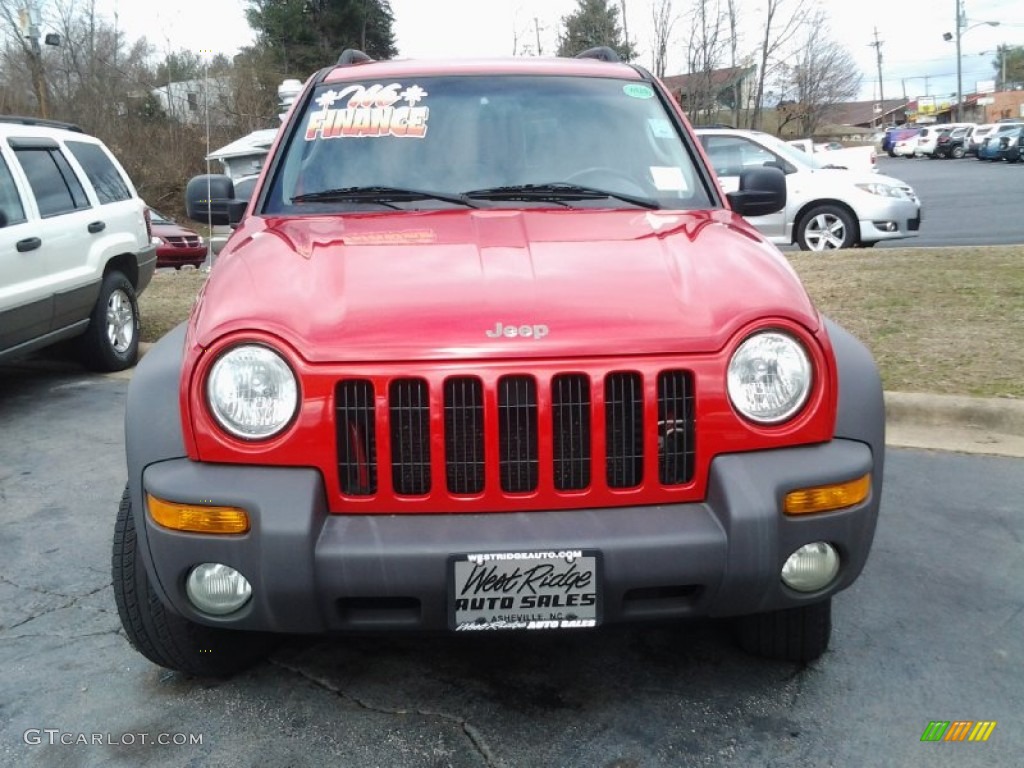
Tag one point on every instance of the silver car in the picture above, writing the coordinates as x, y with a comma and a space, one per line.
826, 207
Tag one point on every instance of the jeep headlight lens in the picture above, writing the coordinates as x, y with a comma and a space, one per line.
769, 377
252, 392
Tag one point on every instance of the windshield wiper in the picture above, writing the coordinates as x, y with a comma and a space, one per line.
556, 191
383, 195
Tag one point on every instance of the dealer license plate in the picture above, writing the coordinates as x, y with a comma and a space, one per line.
525, 590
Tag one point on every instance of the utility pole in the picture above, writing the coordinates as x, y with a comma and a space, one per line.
30, 24
877, 45
536, 29
959, 78
625, 27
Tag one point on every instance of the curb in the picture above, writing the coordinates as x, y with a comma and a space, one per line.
1003, 415
991, 426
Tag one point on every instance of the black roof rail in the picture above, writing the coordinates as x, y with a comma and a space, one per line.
352, 56
601, 53
40, 121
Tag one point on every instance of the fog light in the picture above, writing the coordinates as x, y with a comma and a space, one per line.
811, 567
217, 589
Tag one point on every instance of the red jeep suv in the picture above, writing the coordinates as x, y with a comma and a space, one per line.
489, 350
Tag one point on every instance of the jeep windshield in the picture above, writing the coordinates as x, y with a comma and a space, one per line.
494, 141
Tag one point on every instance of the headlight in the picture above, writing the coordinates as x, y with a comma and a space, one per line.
884, 190
154, 240
769, 377
252, 392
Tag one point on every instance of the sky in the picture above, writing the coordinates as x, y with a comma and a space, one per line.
916, 61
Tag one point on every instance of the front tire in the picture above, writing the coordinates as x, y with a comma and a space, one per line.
826, 228
794, 634
164, 637
958, 152
111, 341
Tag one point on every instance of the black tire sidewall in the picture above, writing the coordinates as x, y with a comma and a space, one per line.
97, 351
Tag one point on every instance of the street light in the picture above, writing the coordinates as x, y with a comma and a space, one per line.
960, 32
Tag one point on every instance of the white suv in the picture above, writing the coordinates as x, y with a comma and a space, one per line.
75, 247
928, 138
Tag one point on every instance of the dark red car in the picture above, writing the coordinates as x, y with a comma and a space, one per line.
175, 245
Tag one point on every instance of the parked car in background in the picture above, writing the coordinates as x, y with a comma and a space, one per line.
895, 134
176, 245
826, 207
994, 142
951, 143
905, 147
976, 137
75, 248
835, 155
1010, 145
928, 138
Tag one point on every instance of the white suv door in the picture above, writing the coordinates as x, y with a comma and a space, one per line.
26, 309
65, 218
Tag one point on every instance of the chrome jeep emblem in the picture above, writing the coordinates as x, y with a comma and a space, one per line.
512, 331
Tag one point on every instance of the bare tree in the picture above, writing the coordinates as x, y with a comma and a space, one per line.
664, 20
732, 16
704, 51
782, 20
825, 74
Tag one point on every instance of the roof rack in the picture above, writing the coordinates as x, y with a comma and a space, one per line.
601, 53
40, 121
352, 56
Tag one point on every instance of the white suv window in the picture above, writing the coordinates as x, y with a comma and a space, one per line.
55, 185
106, 179
11, 209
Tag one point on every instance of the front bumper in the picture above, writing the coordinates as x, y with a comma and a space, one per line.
314, 572
888, 218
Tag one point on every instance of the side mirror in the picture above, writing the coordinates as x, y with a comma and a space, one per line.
762, 191
211, 199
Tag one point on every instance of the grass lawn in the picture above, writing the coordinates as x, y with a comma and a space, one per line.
942, 320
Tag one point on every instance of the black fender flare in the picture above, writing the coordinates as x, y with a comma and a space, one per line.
860, 412
152, 423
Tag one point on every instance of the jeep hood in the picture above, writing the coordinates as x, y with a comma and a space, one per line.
437, 285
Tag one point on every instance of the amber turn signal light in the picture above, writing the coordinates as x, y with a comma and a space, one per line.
826, 498
197, 518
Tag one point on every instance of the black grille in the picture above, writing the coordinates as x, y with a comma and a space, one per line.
464, 435
624, 430
676, 428
510, 420
357, 438
570, 428
410, 436
517, 433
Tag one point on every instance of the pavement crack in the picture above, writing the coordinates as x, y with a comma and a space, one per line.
61, 635
472, 734
71, 602
37, 590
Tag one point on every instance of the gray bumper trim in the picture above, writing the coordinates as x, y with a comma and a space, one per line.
313, 572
